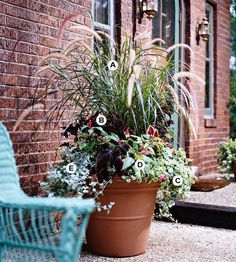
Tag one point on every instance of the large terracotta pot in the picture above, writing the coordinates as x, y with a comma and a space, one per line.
124, 232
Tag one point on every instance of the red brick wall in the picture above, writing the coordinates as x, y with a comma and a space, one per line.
203, 149
31, 28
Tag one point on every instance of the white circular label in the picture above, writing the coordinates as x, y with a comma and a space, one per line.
71, 168
177, 180
139, 164
101, 120
112, 65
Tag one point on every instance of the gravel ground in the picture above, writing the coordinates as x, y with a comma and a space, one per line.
225, 196
171, 242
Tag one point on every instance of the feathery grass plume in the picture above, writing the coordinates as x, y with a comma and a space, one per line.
43, 69
190, 124
175, 96
55, 55
153, 41
25, 113
140, 94
132, 57
194, 97
185, 94
15, 45
189, 75
173, 47
75, 42
63, 25
133, 77
112, 41
137, 71
85, 28
107, 36
130, 89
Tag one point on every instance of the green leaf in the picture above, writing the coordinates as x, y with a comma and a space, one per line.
104, 133
147, 159
128, 162
114, 137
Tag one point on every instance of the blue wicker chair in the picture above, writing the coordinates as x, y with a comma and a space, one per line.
37, 228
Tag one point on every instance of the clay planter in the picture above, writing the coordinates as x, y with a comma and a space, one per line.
124, 232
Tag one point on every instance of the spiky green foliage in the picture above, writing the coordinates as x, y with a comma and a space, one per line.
141, 91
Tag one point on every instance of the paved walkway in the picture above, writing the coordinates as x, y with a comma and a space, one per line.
225, 196
170, 242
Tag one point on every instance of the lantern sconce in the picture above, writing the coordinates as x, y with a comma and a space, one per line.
148, 7
203, 30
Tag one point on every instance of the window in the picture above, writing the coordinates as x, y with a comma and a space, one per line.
209, 71
104, 16
166, 25
164, 22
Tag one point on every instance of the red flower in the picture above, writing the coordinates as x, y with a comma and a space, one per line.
127, 133
163, 178
152, 132
170, 145
144, 152
90, 123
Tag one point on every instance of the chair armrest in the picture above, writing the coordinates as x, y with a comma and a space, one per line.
79, 205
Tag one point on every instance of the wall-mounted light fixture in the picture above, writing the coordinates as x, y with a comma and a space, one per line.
149, 7
203, 30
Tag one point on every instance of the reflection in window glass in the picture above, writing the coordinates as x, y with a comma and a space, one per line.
101, 11
164, 22
209, 65
104, 15
207, 100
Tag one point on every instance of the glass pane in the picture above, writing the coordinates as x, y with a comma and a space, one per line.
164, 22
101, 11
207, 42
156, 23
207, 86
207, 49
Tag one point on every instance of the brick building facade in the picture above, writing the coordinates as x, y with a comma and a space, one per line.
29, 30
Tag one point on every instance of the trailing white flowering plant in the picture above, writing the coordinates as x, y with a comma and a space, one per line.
99, 155
61, 182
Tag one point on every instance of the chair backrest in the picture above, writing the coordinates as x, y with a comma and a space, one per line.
9, 179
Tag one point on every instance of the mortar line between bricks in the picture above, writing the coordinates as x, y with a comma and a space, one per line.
51, 6
39, 34
86, 7
32, 21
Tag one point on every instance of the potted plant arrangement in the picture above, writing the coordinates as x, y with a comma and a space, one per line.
227, 157
123, 101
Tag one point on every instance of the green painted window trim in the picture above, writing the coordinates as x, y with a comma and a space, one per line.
176, 59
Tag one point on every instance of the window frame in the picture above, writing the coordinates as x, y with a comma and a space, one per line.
160, 20
177, 23
210, 111
111, 19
